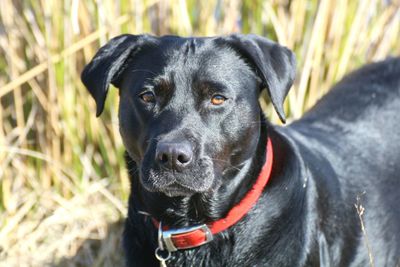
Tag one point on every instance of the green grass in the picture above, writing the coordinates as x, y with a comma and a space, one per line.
63, 183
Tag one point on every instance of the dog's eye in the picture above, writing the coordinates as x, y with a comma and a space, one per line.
147, 97
218, 100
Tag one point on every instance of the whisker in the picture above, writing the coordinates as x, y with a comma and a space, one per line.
138, 70
225, 161
151, 139
257, 122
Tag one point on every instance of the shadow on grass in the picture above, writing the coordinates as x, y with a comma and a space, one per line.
105, 252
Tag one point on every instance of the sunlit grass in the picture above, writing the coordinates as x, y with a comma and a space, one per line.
62, 175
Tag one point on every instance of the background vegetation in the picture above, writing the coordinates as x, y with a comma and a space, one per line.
63, 186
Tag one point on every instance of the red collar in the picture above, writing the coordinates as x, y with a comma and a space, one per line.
189, 237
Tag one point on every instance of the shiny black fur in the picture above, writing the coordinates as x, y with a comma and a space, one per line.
341, 160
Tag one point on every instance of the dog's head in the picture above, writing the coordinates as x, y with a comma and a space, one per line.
189, 106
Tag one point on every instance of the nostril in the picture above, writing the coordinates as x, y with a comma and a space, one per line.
163, 158
183, 158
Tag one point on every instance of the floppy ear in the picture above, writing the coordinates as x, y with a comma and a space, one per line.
108, 64
274, 64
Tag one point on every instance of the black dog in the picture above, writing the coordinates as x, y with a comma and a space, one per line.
196, 142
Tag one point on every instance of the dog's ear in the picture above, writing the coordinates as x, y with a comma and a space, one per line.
273, 63
107, 65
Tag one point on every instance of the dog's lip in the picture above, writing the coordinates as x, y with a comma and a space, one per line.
178, 185
176, 189
173, 188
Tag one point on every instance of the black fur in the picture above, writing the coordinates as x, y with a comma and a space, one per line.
341, 157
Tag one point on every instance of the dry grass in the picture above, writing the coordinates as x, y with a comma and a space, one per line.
360, 212
63, 186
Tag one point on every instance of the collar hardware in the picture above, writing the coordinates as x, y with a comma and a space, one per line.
185, 237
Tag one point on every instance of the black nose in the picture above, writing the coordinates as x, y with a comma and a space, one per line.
174, 155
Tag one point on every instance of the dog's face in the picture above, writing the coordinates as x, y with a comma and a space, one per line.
182, 110
189, 106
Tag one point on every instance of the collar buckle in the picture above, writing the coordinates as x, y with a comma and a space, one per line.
185, 237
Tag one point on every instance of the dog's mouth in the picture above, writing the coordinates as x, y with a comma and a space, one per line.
197, 179
177, 190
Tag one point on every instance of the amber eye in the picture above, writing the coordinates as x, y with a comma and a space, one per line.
218, 100
147, 97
